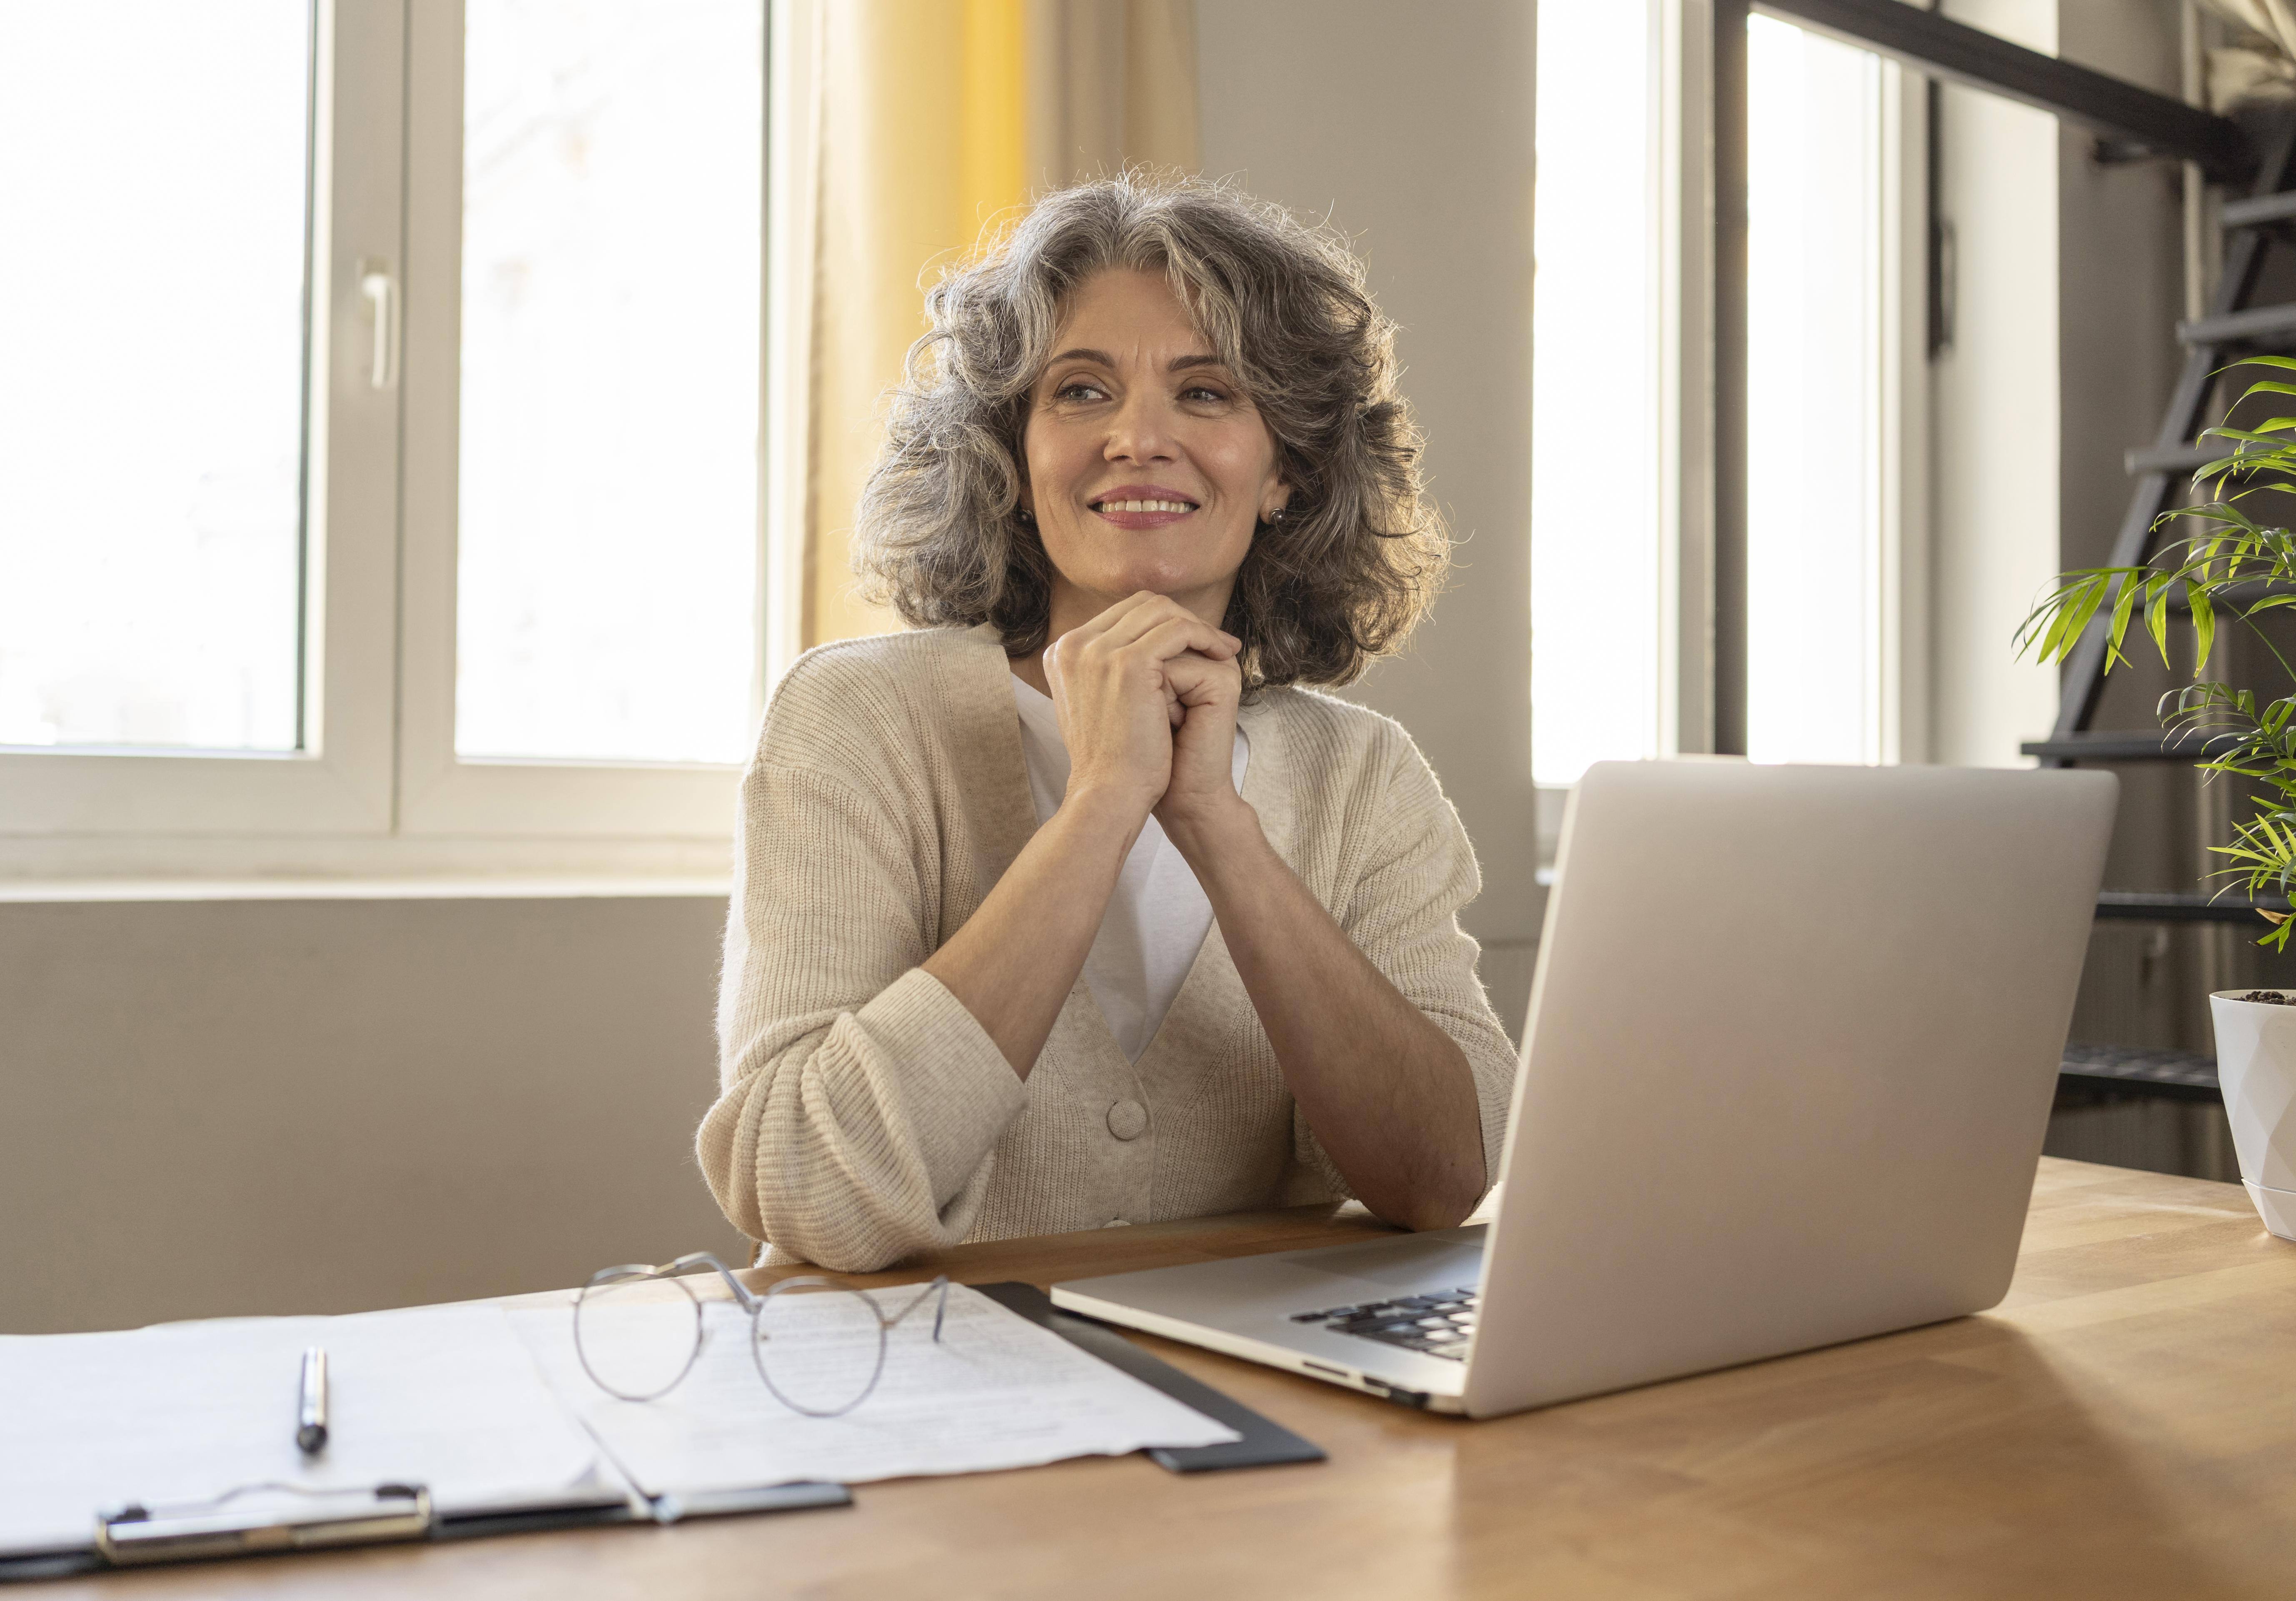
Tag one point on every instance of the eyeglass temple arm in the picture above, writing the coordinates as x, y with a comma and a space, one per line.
703, 1259
940, 1311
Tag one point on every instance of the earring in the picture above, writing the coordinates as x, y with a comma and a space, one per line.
1028, 517
1275, 518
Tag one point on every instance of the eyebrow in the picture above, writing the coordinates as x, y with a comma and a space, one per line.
1178, 364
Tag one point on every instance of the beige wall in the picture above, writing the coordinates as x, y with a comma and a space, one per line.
269, 1106
266, 1104
1411, 126
239, 1106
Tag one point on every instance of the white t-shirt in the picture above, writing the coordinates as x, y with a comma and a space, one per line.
1158, 917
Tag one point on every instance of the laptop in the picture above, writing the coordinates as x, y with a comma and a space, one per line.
1792, 1041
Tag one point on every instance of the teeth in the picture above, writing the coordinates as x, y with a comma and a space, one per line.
1145, 505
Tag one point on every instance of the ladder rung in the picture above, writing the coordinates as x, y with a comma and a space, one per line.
2260, 209
2136, 745
2263, 325
2159, 905
2181, 460
2180, 1074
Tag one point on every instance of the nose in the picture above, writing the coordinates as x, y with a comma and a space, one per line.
1141, 430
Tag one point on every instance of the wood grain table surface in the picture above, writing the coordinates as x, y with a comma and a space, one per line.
2123, 1426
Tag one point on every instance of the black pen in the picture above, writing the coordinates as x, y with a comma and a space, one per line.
311, 1414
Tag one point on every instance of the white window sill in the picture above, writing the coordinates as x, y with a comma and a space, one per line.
32, 866
361, 889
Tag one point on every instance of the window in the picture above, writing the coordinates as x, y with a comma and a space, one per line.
1615, 565
151, 414
583, 606
1813, 243
612, 226
1596, 530
381, 488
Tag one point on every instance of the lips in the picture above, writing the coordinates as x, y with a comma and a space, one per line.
1142, 506
1143, 498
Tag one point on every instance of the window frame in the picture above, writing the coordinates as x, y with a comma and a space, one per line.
1685, 220
60, 805
441, 791
377, 788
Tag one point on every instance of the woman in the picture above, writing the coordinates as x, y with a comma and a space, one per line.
1069, 909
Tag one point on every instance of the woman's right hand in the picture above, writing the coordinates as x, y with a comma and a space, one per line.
1116, 705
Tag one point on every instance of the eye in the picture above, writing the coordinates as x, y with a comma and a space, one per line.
1079, 389
1203, 391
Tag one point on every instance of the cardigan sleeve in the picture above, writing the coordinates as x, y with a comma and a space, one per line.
1402, 911
859, 1100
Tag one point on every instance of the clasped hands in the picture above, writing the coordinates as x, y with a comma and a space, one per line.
1147, 694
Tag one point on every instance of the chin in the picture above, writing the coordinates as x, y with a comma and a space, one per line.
1158, 578
1179, 589
1154, 583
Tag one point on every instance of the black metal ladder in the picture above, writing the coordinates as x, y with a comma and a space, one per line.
2130, 120
2233, 327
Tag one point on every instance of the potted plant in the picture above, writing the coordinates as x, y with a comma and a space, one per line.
2236, 566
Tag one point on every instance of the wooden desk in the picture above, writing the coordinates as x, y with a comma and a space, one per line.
2123, 1426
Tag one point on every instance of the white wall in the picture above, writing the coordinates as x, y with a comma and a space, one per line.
1411, 127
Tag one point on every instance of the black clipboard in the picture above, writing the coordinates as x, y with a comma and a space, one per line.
138, 1537
1265, 1443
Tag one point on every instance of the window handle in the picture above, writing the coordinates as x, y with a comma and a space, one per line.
379, 291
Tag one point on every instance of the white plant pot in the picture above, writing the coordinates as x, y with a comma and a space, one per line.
2256, 1067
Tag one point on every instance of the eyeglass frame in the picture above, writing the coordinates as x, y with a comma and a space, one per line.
755, 1306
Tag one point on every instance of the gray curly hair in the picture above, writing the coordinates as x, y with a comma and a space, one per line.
1360, 551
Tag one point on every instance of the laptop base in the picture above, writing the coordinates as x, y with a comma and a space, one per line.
1250, 1307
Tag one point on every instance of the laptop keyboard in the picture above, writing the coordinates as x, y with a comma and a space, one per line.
1440, 1324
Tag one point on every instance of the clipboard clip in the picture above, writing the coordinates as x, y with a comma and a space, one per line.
137, 1535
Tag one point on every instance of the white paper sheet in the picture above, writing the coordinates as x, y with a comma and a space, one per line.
445, 1397
997, 1391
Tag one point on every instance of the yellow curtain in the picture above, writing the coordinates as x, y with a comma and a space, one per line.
936, 119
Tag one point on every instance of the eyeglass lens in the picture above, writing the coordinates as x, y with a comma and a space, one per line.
638, 1336
820, 1348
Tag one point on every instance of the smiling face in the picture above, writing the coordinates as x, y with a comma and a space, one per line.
1148, 467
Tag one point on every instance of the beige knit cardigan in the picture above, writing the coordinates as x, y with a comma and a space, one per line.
863, 1115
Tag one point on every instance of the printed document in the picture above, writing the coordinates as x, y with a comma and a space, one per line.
445, 1397
996, 1391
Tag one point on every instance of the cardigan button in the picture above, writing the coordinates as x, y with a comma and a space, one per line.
1127, 1120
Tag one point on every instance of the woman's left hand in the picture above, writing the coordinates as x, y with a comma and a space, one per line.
1389, 1094
1205, 696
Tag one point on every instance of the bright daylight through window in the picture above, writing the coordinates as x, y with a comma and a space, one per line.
1594, 556
152, 371
1813, 398
1814, 179
612, 229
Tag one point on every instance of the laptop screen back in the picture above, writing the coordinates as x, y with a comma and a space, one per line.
1789, 1062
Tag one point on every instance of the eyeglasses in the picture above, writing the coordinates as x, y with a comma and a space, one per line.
819, 1347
